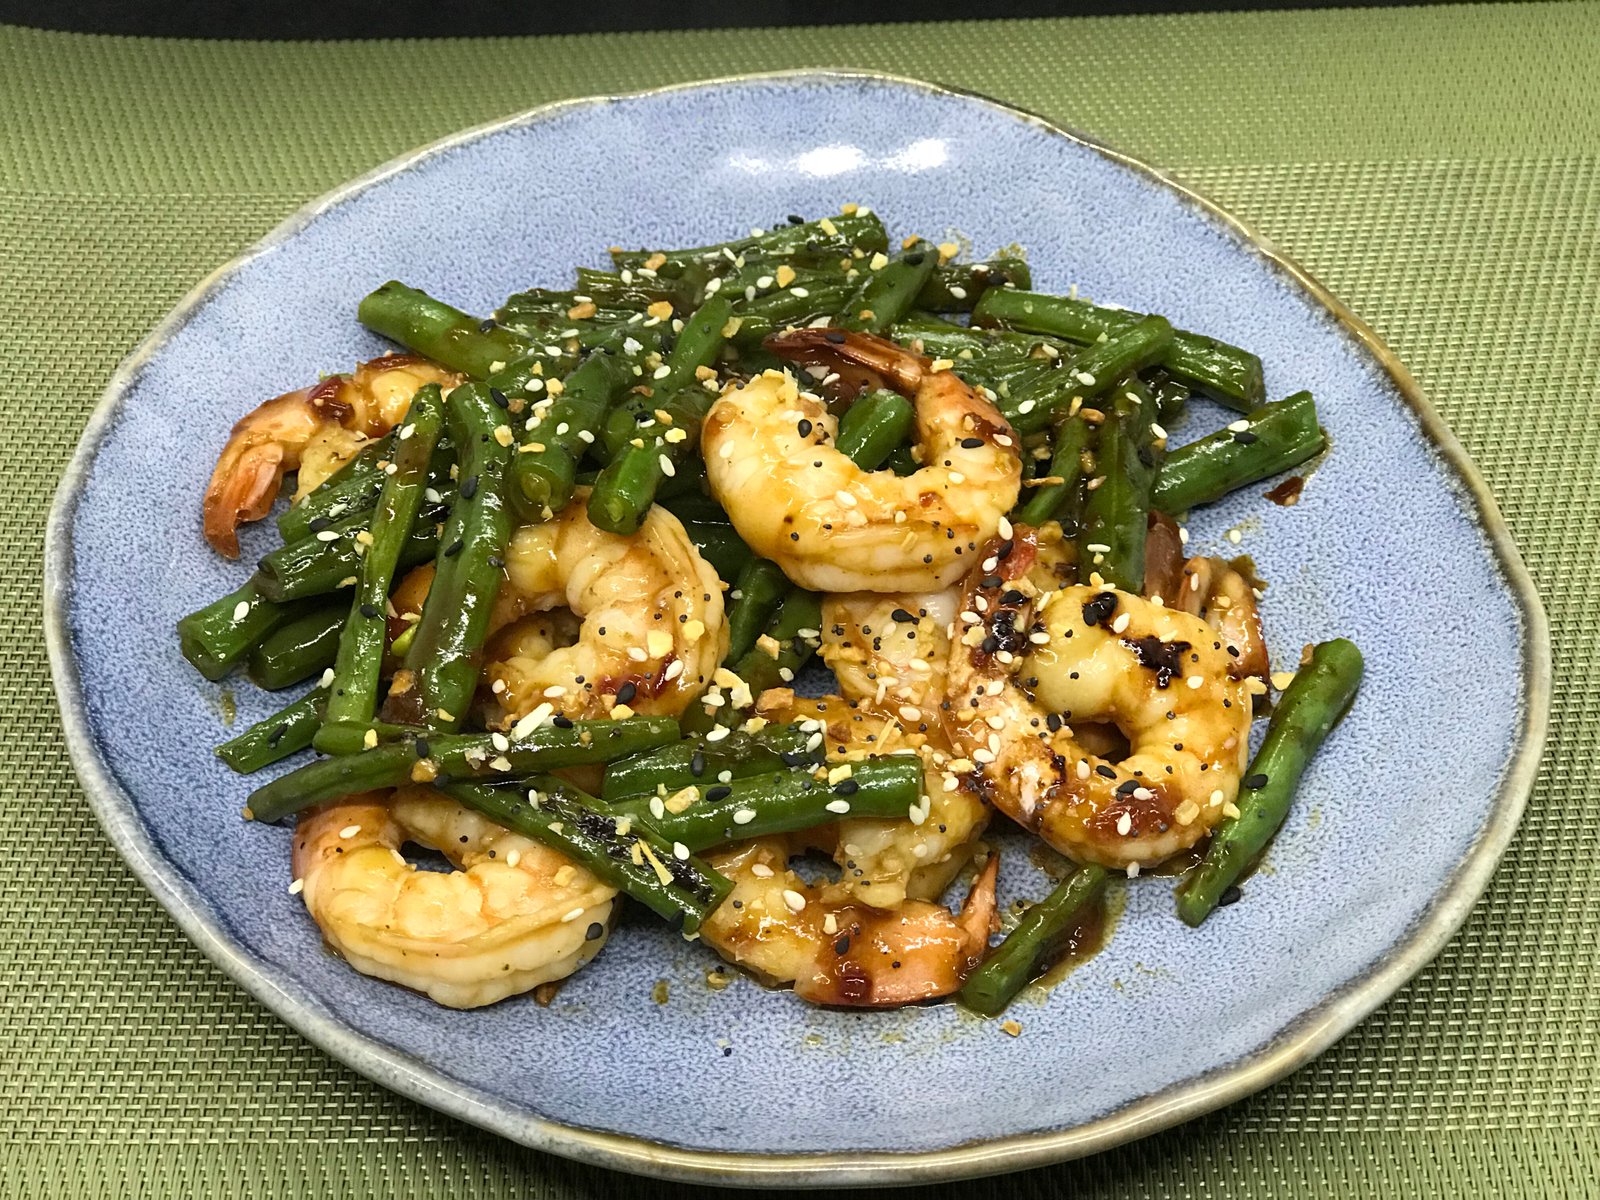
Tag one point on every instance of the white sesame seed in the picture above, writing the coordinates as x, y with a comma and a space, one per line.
718, 732
761, 871
1133, 870
837, 806
298, 886
500, 742
1120, 623
348, 832
1084, 378
794, 900
908, 713
241, 610
1157, 432
667, 468
1195, 681
572, 916
1142, 793
845, 498
1125, 824
328, 535
1083, 768
1239, 426
680, 851
327, 678
674, 669
743, 816
1235, 536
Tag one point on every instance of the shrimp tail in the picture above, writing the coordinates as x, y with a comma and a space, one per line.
242, 489
979, 916
845, 350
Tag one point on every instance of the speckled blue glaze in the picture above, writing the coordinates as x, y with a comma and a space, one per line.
1390, 545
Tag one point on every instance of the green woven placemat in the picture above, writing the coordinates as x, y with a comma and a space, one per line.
1439, 168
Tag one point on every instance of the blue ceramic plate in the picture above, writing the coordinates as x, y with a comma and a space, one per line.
1395, 544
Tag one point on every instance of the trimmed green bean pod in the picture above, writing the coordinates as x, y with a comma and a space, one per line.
1223, 372
1063, 501
1306, 712
887, 294
873, 427
1116, 514
796, 629
702, 761
434, 329
427, 757
353, 695
329, 560
781, 802
273, 739
545, 470
217, 636
297, 649
756, 594
353, 487
1271, 439
1026, 950
812, 242
1088, 374
681, 891
444, 656
957, 287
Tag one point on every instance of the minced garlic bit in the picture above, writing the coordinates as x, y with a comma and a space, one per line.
1013, 1028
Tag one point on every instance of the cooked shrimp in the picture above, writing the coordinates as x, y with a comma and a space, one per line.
314, 430
512, 915
652, 631
1220, 593
1033, 664
833, 527
889, 648
784, 930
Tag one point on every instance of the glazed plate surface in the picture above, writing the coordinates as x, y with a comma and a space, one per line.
1394, 544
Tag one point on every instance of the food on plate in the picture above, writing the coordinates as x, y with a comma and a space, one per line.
557, 577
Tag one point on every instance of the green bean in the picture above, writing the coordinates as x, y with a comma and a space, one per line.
682, 891
544, 472
810, 296
1086, 375
297, 649
1223, 372
353, 695
444, 657
721, 546
1306, 712
435, 330
1116, 513
796, 630
626, 488
1271, 439
700, 760
353, 487
1171, 397
756, 594
885, 295
217, 636
1070, 463
329, 560
781, 802
1017, 960
957, 287
873, 426
815, 242
273, 739
427, 757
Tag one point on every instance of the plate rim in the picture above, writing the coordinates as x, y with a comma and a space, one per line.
1310, 1033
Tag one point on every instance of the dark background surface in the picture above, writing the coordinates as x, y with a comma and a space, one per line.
310, 19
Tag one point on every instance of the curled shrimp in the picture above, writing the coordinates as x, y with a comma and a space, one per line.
833, 527
649, 632
512, 915
1032, 665
314, 430
784, 931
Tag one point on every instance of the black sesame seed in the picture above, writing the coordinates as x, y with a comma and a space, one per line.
1099, 610
727, 1052
561, 722
902, 615
846, 787
486, 325
990, 581
627, 692
318, 524
1053, 721
453, 549
595, 932
794, 220
1232, 894
721, 792
836, 339
1245, 438
276, 735
368, 611
842, 946
1106, 771
469, 487
971, 443
499, 398
1257, 780
804, 427
697, 763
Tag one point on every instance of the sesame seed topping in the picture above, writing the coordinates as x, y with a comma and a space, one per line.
794, 900
348, 832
